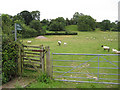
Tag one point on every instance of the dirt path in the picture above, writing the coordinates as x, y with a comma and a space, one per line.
18, 82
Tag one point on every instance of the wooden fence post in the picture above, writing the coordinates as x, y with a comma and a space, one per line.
48, 62
19, 62
42, 59
22, 59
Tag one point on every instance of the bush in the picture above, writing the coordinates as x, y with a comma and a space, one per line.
9, 59
44, 78
61, 33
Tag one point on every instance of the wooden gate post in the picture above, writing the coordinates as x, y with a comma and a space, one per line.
22, 59
42, 59
48, 62
19, 62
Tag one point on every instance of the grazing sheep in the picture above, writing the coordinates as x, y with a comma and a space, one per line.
59, 43
114, 50
108, 39
117, 52
95, 78
29, 42
111, 40
65, 43
106, 48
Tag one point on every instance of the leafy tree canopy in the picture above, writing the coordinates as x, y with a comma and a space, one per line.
26, 15
86, 23
57, 24
105, 25
35, 15
36, 25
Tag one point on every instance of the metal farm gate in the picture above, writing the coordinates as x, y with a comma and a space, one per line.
87, 68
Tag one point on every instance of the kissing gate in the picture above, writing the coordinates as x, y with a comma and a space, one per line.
34, 58
88, 68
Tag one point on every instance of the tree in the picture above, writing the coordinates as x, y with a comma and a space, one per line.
98, 24
105, 25
67, 22
118, 26
35, 15
19, 18
26, 15
113, 26
86, 23
28, 32
76, 17
6, 24
35, 24
57, 24
45, 22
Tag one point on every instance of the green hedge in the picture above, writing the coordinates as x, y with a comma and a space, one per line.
61, 34
9, 59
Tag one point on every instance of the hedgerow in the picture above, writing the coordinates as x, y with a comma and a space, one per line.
9, 59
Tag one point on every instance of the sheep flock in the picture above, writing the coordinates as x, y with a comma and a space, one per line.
113, 50
59, 43
104, 47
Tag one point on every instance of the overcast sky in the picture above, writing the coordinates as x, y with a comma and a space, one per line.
51, 9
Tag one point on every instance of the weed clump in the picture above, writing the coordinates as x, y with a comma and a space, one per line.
44, 78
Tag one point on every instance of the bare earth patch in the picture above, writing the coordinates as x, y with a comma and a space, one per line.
19, 81
40, 37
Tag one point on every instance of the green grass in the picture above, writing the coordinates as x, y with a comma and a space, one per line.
84, 42
71, 28
57, 84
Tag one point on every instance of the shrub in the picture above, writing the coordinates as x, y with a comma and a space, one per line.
9, 58
44, 78
67, 33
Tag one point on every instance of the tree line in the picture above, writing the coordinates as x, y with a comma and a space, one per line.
32, 26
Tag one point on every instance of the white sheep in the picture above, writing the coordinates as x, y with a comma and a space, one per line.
65, 43
106, 48
95, 78
117, 52
114, 50
29, 42
59, 43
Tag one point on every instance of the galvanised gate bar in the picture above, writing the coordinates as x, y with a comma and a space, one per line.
82, 70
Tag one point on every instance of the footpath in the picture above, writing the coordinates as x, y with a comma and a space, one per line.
19, 82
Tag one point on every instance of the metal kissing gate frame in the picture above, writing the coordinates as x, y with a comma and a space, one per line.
62, 73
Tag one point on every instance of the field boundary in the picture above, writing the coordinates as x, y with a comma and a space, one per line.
98, 61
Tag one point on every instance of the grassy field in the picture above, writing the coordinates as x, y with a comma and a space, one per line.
84, 43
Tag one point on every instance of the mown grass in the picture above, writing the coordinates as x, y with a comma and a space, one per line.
84, 42
71, 28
